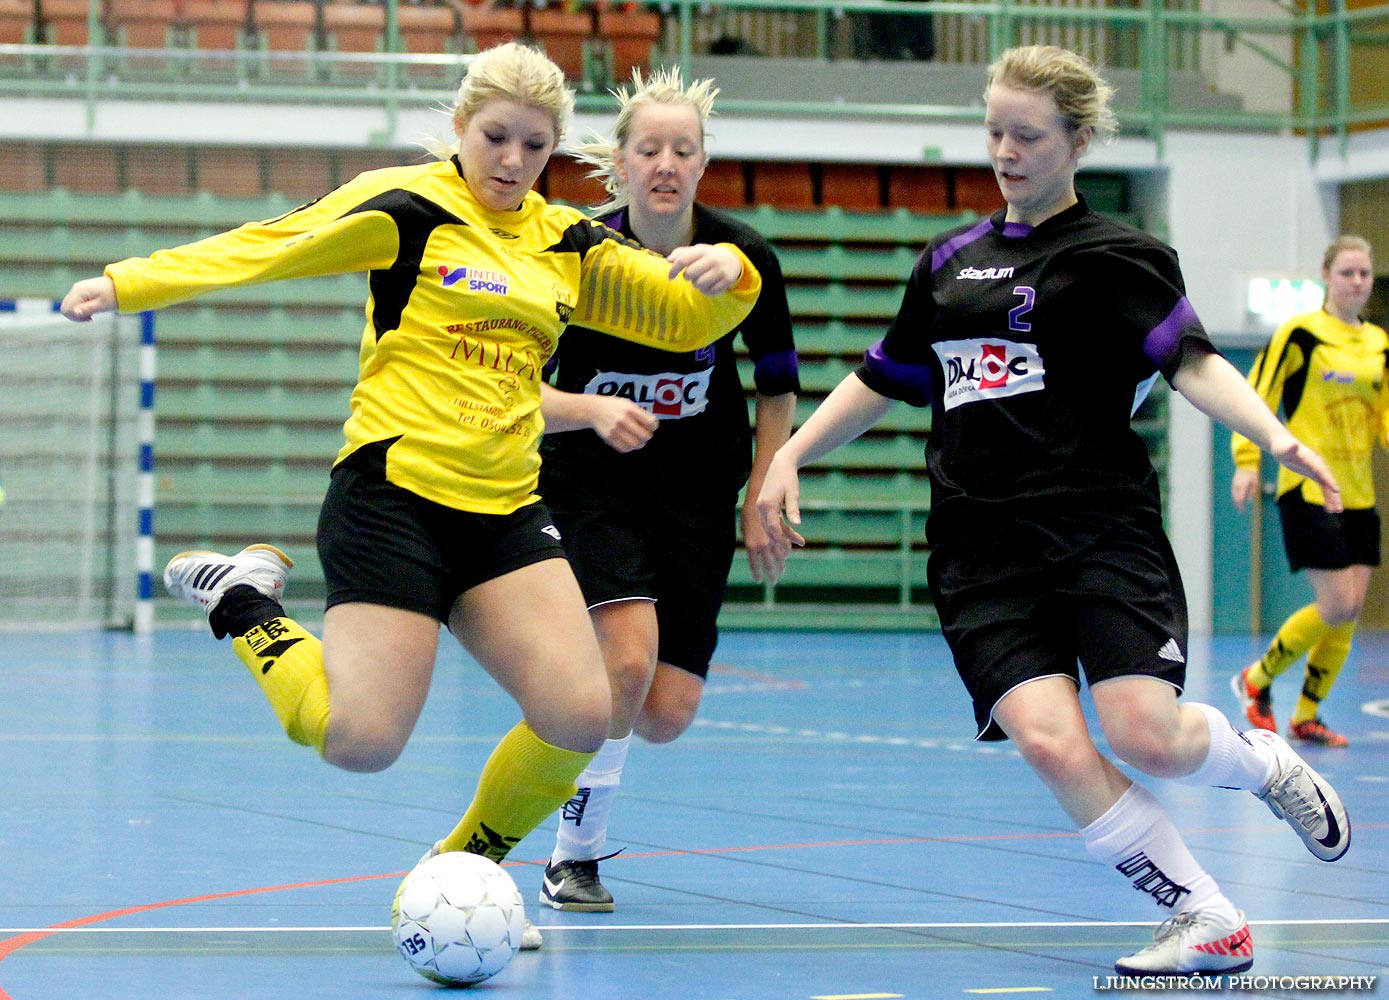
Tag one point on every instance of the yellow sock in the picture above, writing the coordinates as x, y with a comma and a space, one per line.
1303, 630
287, 662
525, 780
1324, 665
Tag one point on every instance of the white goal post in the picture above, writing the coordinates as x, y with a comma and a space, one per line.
76, 469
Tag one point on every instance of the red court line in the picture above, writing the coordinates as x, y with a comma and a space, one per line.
758, 676
12, 945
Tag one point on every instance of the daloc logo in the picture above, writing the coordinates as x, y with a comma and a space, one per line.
977, 370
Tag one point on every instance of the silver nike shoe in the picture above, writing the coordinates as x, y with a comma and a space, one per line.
1304, 799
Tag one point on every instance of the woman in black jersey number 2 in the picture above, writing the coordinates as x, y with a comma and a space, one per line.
644, 454
1030, 334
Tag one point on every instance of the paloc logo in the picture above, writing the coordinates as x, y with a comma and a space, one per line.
477, 279
977, 370
667, 396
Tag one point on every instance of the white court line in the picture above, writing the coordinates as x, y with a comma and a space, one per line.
837, 736
562, 928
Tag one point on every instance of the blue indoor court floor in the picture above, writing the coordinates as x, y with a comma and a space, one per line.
827, 829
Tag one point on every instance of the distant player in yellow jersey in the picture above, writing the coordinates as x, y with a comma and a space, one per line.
432, 514
1326, 372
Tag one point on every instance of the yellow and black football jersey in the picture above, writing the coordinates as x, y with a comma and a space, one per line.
465, 305
1328, 380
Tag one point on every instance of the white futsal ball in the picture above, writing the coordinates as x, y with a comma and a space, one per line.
458, 918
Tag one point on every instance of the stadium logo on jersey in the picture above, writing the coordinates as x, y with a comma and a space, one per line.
983, 273
477, 279
977, 370
667, 396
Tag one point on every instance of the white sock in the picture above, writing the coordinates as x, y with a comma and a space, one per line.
1136, 838
1233, 761
583, 820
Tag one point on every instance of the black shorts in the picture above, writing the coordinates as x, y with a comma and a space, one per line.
1020, 602
381, 544
1315, 538
625, 549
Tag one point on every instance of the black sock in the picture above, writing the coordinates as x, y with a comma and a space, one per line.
241, 609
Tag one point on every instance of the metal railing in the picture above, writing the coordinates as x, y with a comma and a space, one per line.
1333, 63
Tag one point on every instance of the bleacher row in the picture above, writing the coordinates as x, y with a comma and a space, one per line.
599, 43
253, 382
302, 174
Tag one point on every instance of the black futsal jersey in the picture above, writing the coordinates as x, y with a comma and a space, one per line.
703, 446
1033, 345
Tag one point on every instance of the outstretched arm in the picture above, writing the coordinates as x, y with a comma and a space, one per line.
1217, 389
846, 413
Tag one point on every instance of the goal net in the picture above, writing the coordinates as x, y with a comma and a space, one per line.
75, 420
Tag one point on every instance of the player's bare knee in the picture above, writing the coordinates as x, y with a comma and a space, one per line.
668, 711
630, 675
1150, 750
580, 724
1052, 755
663, 723
363, 752
1340, 610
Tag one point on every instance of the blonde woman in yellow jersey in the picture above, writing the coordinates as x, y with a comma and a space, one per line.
431, 514
1326, 371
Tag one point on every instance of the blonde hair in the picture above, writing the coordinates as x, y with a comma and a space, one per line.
512, 72
1348, 241
1082, 96
664, 86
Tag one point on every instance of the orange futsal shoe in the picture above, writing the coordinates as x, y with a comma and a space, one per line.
1315, 731
1257, 702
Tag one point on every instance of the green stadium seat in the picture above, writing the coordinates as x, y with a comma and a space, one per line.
840, 301
216, 439
289, 404
838, 263
834, 337
251, 365
834, 225
201, 322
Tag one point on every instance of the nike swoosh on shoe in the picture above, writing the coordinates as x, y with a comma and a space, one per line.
1333, 829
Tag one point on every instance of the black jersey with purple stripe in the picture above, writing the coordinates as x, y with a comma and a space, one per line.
1033, 345
704, 442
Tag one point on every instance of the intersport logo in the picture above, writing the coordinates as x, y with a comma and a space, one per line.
983, 369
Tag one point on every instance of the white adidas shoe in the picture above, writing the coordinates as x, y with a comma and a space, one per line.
1192, 942
1304, 799
531, 939
203, 578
